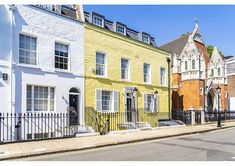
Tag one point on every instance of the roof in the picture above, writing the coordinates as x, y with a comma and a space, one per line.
201, 47
111, 26
176, 46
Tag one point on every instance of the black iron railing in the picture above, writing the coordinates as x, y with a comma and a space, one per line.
184, 116
104, 122
209, 116
33, 126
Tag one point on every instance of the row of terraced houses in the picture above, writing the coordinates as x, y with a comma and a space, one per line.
61, 59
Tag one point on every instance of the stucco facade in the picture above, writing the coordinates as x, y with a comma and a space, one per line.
47, 28
115, 47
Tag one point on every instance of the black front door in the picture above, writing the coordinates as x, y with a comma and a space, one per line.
129, 109
73, 109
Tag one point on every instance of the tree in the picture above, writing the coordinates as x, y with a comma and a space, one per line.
210, 50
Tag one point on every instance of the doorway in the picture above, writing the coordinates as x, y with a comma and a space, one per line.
130, 107
74, 103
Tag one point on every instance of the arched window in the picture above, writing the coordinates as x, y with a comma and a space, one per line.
212, 72
193, 64
186, 65
218, 71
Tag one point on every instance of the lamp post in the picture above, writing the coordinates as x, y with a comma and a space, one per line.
169, 87
218, 89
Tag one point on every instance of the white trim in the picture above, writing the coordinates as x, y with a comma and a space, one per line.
32, 36
102, 20
105, 63
32, 99
69, 56
128, 74
124, 28
150, 74
165, 81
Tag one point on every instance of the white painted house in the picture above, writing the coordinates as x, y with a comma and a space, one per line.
41, 59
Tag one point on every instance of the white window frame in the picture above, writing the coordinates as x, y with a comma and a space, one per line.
151, 107
48, 98
97, 17
36, 51
68, 58
113, 101
124, 29
147, 37
105, 64
154, 98
162, 76
128, 69
149, 73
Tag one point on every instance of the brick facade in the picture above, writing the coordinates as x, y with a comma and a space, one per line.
231, 86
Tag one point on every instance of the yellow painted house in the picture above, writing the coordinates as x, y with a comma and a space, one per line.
126, 75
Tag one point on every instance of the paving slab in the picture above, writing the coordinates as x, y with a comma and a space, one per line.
33, 148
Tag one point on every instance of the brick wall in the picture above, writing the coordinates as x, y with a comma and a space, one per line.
231, 86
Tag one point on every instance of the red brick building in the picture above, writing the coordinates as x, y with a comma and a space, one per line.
195, 76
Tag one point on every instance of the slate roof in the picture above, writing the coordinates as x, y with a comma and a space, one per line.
109, 25
176, 46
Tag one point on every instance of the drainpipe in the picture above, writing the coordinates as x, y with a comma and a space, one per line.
169, 87
12, 9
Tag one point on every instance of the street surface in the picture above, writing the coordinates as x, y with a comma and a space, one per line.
212, 146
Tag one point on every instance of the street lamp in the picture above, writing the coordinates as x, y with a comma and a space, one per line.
218, 89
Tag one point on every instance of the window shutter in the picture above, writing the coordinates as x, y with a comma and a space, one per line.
116, 101
98, 100
145, 102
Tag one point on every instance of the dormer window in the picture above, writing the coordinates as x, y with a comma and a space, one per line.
121, 29
146, 39
98, 21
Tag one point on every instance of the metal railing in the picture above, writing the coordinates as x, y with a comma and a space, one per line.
184, 116
34, 126
209, 116
104, 122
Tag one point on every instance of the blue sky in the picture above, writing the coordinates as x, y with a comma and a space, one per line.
165, 23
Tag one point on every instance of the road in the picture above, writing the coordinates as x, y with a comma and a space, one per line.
217, 145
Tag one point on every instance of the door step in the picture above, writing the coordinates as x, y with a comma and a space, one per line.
87, 134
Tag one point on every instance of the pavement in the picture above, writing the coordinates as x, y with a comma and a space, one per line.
216, 145
43, 147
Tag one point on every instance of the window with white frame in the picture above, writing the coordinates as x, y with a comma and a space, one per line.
162, 76
212, 72
107, 101
125, 69
61, 56
146, 39
146, 73
218, 71
151, 102
186, 65
100, 64
121, 29
98, 21
193, 64
27, 49
40, 98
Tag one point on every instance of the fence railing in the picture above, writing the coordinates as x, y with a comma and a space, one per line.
184, 116
209, 116
33, 126
116, 121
